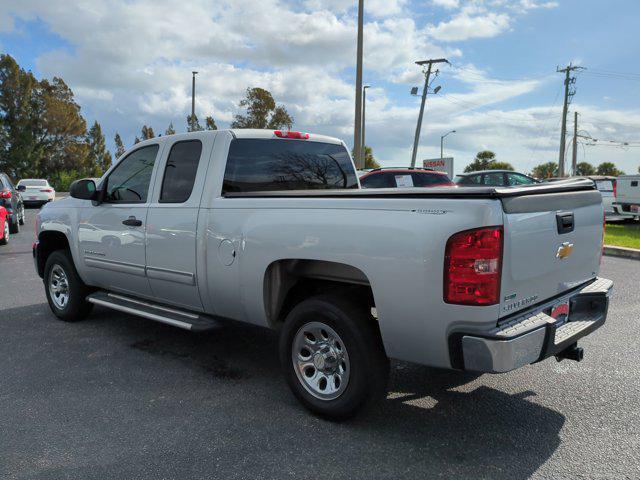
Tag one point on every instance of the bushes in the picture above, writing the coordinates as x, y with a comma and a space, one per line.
63, 179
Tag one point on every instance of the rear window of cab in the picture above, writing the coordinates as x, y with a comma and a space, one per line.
260, 165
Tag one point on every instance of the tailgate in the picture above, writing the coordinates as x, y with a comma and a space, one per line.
552, 243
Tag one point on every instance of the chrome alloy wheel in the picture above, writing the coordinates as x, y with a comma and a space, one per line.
59, 287
5, 233
320, 360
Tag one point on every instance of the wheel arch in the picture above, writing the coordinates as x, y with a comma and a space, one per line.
48, 242
289, 281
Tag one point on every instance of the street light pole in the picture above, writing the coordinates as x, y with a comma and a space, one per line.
357, 139
442, 142
363, 148
193, 96
429, 63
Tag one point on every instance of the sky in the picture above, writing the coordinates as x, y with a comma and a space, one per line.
129, 63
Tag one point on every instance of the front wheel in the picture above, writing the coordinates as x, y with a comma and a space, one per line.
332, 356
65, 290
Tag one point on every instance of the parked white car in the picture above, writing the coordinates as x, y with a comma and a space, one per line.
36, 191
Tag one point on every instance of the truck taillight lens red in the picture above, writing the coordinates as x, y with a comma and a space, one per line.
473, 266
46, 190
286, 134
5, 194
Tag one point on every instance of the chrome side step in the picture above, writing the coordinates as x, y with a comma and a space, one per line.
152, 311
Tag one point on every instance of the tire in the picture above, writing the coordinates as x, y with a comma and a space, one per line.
14, 227
5, 228
58, 271
356, 356
21, 215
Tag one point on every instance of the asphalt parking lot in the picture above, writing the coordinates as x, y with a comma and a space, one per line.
117, 396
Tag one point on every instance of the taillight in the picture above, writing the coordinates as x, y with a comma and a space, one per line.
5, 194
473, 266
47, 190
615, 188
287, 134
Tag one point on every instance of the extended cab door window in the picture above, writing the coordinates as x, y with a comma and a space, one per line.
129, 181
180, 172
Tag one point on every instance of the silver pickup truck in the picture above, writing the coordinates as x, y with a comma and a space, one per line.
271, 228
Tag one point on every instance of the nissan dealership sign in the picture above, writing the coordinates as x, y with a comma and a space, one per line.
440, 164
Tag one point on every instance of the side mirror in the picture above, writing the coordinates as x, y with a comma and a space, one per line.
21, 188
84, 189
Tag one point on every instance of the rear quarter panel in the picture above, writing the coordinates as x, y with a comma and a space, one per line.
397, 243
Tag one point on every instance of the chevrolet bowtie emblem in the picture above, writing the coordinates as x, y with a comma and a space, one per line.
564, 250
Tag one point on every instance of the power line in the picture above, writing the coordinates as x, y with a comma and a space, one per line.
613, 77
482, 79
469, 105
543, 130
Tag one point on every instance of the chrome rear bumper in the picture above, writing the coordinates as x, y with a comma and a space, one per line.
534, 336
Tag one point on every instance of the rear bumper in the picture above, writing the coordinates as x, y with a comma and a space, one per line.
534, 336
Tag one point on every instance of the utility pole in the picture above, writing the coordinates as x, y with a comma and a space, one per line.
568, 94
429, 64
357, 140
193, 96
364, 121
574, 159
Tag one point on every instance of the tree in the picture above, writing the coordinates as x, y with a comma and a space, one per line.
545, 170
119, 146
210, 123
608, 168
485, 160
136, 141
19, 149
147, 133
261, 112
193, 125
170, 130
584, 169
98, 153
61, 130
369, 161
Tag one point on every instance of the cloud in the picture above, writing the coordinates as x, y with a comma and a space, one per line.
448, 4
465, 26
130, 64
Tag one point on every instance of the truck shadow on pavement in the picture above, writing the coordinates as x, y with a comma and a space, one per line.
433, 423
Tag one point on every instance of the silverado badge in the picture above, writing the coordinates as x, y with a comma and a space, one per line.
564, 250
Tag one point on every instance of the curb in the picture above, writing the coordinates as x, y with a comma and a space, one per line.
623, 252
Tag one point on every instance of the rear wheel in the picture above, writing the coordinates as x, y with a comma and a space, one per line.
332, 356
21, 214
65, 290
5, 232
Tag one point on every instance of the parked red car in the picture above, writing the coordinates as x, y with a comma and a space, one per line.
4, 226
397, 177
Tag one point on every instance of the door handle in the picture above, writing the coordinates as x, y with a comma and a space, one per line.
132, 222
